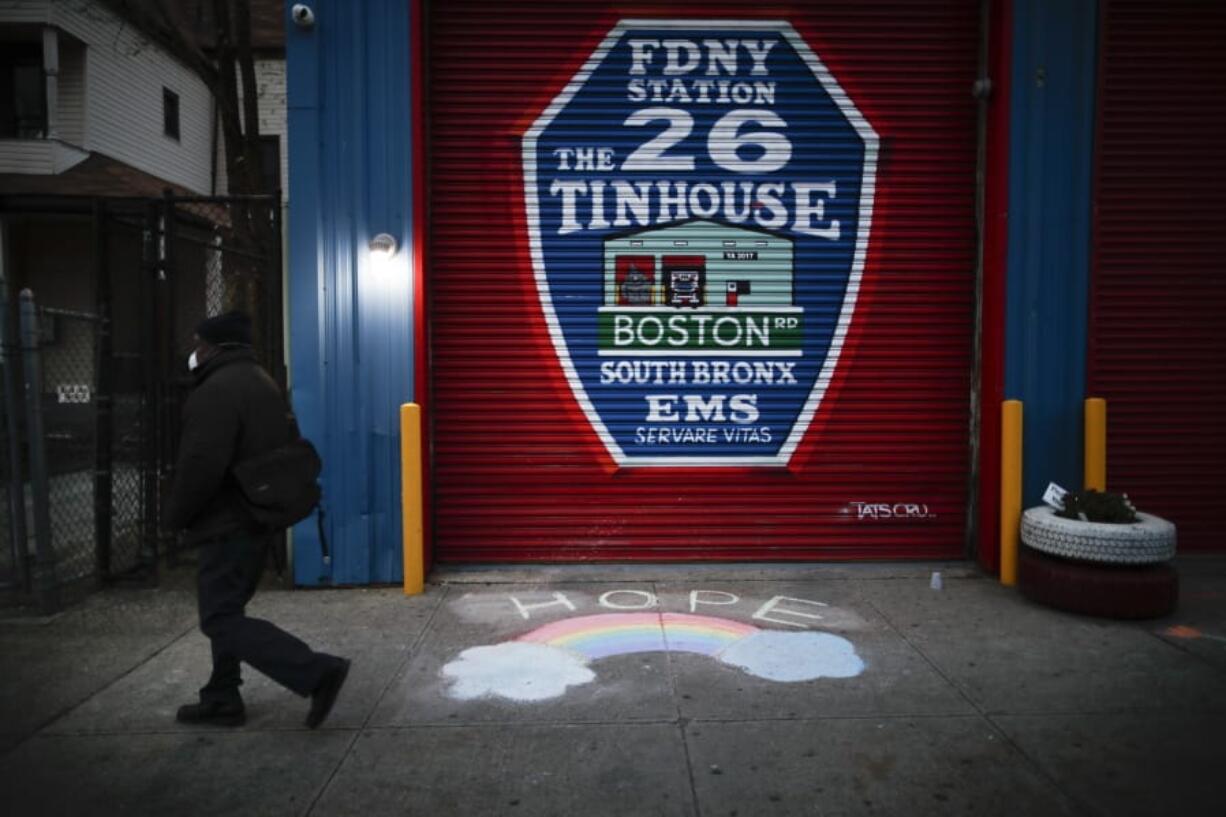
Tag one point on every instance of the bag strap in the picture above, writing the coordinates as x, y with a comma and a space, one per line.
278, 557
323, 536
319, 506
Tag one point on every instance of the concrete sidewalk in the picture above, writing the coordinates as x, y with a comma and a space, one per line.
677, 690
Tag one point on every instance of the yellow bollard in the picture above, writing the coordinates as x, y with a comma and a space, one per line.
1010, 488
1096, 444
411, 498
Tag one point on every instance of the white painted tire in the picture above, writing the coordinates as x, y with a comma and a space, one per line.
1147, 541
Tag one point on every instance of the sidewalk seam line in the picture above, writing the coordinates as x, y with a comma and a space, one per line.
67, 710
1181, 646
1072, 800
680, 720
408, 656
487, 582
704, 721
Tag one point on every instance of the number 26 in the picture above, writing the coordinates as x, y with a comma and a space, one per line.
724, 142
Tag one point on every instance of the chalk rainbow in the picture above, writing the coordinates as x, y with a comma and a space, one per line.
600, 636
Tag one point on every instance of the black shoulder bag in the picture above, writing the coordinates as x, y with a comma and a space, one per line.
281, 487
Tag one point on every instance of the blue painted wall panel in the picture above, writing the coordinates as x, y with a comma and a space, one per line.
1050, 170
350, 321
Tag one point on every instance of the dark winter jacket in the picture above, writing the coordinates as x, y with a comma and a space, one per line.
235, 412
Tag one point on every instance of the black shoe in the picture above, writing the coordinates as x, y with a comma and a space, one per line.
213, 714
325, 694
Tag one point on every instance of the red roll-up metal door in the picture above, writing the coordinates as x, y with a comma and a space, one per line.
873, 462
1157, 339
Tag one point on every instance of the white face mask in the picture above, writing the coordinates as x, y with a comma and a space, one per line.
192, 362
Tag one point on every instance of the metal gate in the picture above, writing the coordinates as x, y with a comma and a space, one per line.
583, 304
1157, 343
100, 297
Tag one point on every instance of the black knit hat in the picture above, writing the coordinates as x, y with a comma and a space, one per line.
230, 328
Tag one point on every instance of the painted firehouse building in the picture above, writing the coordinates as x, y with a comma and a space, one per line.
698, 264
710, 281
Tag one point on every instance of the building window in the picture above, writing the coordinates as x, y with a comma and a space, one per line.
170, 113
270, 163
23, 94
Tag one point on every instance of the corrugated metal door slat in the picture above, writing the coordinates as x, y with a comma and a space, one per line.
1157, 336
518, 472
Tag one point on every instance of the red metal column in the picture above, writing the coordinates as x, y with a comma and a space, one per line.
995, 249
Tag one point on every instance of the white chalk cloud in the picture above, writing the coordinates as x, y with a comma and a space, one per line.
781, 656
516, 670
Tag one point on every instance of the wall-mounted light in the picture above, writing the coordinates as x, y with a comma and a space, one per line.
302, 15
382, 247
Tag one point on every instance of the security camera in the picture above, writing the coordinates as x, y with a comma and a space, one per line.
302, 15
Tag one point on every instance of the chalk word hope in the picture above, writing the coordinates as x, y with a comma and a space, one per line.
786, 610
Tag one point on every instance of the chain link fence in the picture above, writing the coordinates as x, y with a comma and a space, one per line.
68, 348
96, 326
231, 242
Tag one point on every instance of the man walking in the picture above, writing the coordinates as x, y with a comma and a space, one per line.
237, 412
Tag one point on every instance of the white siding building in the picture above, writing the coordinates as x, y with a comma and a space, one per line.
79, 81
107, 90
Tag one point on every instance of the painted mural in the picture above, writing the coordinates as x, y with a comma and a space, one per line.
699, 198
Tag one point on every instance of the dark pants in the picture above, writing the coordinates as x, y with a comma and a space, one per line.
230, 571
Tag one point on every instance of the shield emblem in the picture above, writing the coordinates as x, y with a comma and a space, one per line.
699, 198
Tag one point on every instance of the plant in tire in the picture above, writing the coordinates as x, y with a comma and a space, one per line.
1099, 527
1098, 506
